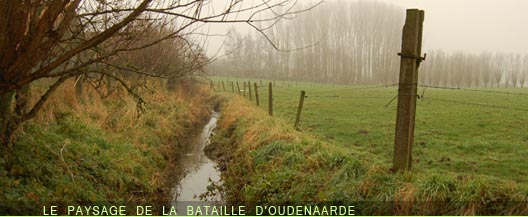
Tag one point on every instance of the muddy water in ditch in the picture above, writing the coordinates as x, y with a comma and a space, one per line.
199, 170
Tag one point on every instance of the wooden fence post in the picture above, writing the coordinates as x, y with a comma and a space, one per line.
245, 89
256, 94
212, 86
249, 89
232, 87
299, 109
410, 61
238, 88
223, 86
270, 99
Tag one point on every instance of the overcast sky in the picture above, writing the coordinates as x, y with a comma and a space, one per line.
461, 25
473, 25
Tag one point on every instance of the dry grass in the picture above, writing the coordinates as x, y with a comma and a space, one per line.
118, 113
271, 163
97, 150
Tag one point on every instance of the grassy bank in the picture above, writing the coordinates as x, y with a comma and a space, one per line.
477, 131
99, 151
268, 162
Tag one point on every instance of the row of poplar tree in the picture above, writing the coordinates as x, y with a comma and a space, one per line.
356, 42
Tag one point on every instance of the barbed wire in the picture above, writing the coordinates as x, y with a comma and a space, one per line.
392, 99
474, 90
396, 84
356, 88
476, 104
349, 97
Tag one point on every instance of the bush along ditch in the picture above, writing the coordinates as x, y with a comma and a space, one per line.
266, 162
101, 151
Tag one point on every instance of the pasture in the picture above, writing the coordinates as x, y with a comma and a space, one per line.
482, 132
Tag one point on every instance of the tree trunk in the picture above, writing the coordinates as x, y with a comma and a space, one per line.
6, 117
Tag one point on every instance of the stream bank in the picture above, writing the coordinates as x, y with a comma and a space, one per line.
266, 162
195, 178
101, 152
198, 171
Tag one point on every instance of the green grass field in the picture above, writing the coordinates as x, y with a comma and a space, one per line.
452, 135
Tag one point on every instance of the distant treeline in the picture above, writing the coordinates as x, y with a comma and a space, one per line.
356, 42
474, 70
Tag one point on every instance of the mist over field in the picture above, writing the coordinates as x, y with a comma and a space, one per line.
472, 26
356, 41
369, 107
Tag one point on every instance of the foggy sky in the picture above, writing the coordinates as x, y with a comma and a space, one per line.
473, 25
454, 25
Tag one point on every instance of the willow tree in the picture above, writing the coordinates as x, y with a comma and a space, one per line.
60, 39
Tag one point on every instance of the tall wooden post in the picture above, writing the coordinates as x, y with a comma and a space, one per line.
410, 61
299, 109
238, 88
212, 86
223, 86
270, 99
232, 86
249, 89
245, 89
256, 94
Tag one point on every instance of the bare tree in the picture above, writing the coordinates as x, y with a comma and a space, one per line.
485, 68
61, 39
515, 68
356, 41
524, 70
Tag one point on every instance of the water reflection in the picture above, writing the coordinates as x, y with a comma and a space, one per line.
199, 170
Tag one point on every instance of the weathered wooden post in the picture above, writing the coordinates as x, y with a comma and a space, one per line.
256, 94
299, 109
212, 86
245, 89
223, 86
238, 88
249, 89
232, 86
410, 61
270, 99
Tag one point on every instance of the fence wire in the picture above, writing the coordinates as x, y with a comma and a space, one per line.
354, 88
473, 90
281, 89
476, 104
